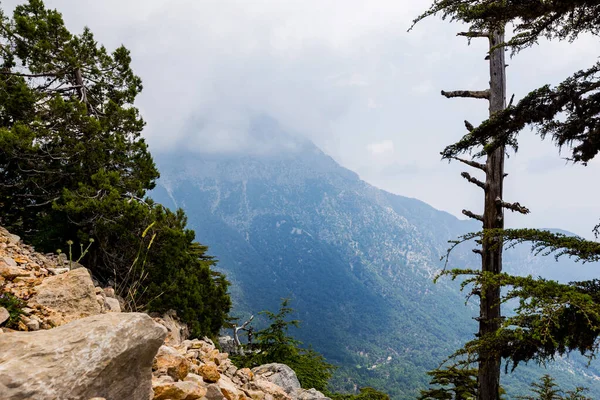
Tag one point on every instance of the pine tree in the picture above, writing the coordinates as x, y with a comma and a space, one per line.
551, 318
492, 218
451, 383
546, 389
74, 166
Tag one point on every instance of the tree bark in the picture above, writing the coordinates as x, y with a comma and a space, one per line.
493, 218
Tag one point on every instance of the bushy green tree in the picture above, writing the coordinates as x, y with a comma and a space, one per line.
274, 344
451, 383
547, 389
74, 166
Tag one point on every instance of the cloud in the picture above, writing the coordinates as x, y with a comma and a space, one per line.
344, 74
381, 148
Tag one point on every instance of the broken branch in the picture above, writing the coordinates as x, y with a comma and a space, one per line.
474, 94
474, 181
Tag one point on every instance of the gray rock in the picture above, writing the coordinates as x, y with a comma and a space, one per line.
9, 261
71, 294
308, 394
107, 355
113, 304
279, 374
33, 324
4, 315
13, 239
58, 271
213, 392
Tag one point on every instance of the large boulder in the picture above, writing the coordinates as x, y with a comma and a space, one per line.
108, 355
71, 296
279, 374
309, 394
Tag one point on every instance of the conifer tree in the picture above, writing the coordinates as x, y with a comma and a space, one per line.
493, 208
74, 166
551, 318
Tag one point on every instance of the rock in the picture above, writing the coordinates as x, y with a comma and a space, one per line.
58, 271
279, 374
112, 304
110, 292
4, 315
228, 388
213, 392
11, 272
209, 373
169, 361
71, 295
267, 388
177, 391
107, 355
309, 394
9, 261
178, 331
243, 376
197, 379
33, 324
227, 344
13, 239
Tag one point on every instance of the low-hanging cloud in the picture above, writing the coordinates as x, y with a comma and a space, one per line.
345, 74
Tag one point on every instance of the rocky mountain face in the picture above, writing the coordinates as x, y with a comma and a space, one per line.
63, 337
357, 261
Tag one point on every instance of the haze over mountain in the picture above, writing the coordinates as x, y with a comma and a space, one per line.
285, 220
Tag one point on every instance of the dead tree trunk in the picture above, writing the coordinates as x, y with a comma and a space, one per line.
493, 213
493, 218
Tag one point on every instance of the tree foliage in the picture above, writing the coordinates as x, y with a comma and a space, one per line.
547, 389
451, 383
275, 345
74, 166
551, 318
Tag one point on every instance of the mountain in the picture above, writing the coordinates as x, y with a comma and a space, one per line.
357, 261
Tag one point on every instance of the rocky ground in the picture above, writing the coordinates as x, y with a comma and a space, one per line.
67, 339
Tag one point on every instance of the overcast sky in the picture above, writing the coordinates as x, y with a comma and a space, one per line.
346, 74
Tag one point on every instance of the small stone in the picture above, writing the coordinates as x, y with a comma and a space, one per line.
58, 271
9, 261
13, 239
243, 376
228, 388
172, 363
10, 272
177, 390
113, 304
33, 324
213, 392
209, 373
109, 292
4, 315
191, 377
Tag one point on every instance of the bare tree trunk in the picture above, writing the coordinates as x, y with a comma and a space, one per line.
493, 218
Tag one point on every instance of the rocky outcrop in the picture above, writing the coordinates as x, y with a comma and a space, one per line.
107, 355
71, 295
279, 374
284, 377
80, 345
54, 289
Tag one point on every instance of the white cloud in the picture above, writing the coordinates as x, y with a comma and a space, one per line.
381, 148
322, 67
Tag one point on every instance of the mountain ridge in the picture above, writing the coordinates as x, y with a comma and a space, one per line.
296, 224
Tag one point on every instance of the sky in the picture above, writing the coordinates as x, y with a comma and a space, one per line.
347, 75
